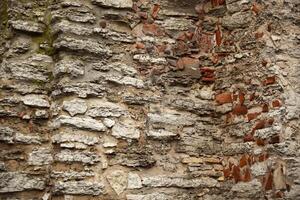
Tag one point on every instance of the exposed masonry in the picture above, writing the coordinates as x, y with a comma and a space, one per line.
149, 99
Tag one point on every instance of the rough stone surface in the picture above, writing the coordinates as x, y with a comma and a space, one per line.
105, 109
74, 140
79, 187
134, 181
36, 101
165, 181
114, 3
28, 26
77, 156
121, 130
17, 182
41, 156
118, 181
87, 46
73, 67
82, 123
149, 99
75, 106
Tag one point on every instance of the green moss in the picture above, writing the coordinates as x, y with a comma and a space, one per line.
4, 15
47, 37
38, 83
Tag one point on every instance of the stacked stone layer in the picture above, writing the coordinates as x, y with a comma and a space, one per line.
149, 99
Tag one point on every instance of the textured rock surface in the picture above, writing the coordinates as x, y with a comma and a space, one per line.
149, 99
16, 182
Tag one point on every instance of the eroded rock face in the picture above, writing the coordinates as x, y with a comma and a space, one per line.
118, 181
41, 156
82, 123
112, 3
149, 100
79, 187
28, 26
17, 182
121, 130
75, 106
165, 181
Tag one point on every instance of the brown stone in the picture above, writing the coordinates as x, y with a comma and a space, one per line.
187, 62
223, 98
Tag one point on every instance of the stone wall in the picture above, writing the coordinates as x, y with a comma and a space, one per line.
149, 99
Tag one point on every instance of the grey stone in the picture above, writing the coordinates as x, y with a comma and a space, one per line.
74, 28
178, 24
161, 134
176, 119
40, 156
21, 45
36, 100
86, 45
151, 196
199, 107
206, 93
68, 3
237, 5
237, 20
266, 133
118, 180
17, 182
77, 156
7, 135
259, 169
148, 60
247, 189
237, 148
74, 137
138, 83
73, 67
28, 26
29, 139
41, 114
140, 100
114, 35
105, 109
10, 136
126, 131
114, 3
122, 68
66, 26
2, 167
77, 14
79, 187
81, 122
178, 181
156, 39
72, 175
75, 106
34, 68
134, 181
290, 148
82, 89
134, 156
109, 122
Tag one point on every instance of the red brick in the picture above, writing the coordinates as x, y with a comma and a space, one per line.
269, 80
225, 97
240, 110
248, 138
276, 103
152, 29
252, 116
241, 98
